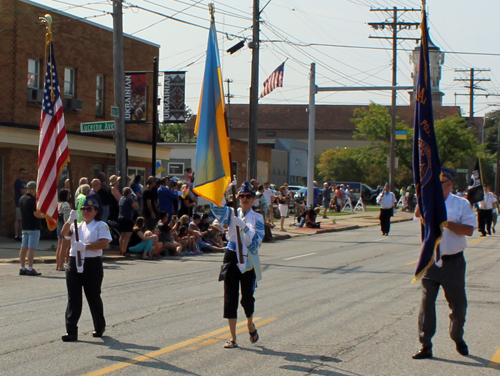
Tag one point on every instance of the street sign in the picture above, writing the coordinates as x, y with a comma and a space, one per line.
99, 126
462, 170
114, 111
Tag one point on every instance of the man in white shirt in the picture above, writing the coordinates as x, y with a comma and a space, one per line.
485, 211
387, 202
448, 272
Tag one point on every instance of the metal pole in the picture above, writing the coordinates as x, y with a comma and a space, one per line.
119, 76
393, 101
155, 114
497, 180
254, 97
310, 144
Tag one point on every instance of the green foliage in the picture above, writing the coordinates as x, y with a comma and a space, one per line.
174, 132
340, 164
491, 130
455, 142
368, 164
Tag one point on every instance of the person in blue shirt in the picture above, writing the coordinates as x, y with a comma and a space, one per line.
316, 194
137, 188
166, 196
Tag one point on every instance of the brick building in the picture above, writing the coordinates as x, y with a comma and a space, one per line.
84, 57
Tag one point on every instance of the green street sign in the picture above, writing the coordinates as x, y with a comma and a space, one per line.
99, 126
114, 111
462, 170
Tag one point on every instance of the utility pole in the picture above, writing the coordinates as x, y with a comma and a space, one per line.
472, 86
155, 116
119, 88
229, 96
254, 96
395, 26
313, 89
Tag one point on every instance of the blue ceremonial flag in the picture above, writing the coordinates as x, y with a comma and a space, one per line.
212, 162
426, 164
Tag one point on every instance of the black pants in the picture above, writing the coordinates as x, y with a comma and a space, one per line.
485, 217
385, 220
451, 276
90, 280
234, 278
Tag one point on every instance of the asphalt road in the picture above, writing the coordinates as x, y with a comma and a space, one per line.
332, 304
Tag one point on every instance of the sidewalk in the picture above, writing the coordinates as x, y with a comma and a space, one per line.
46, 252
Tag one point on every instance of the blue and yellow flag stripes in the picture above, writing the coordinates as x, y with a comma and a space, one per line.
426, 164
212, 162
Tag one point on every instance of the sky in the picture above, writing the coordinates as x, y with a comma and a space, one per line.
466, 31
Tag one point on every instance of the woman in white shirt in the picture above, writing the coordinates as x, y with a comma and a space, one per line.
85, 269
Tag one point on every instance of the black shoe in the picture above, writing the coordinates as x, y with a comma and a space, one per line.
23, 271
462, 348
18, 239
69, 337
98, 333
423, 353
489, 233
32, 272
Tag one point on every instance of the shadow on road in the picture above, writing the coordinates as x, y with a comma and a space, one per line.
314, 361
479, 362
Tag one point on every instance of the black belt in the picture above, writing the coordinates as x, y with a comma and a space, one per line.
453, 256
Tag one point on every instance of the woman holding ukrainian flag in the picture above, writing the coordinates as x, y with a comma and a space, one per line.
213, 175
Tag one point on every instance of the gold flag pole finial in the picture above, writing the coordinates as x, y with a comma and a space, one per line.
47, 20
211, 10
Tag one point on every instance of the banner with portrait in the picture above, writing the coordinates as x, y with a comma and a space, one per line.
135, 97
174, 94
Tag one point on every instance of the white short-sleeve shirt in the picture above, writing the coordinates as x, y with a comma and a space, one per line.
458, 210
90, 233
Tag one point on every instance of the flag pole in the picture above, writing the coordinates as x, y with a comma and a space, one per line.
211, 10
47, 19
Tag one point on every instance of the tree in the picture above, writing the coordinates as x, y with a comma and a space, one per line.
374, 124
491, 130
340, 165
455, 141
174, 132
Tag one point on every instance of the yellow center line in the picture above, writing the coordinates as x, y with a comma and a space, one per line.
227, 336
495, 361
165, 350
473, 242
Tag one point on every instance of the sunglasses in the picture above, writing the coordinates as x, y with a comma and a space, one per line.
88, 208
246, 195
445, 181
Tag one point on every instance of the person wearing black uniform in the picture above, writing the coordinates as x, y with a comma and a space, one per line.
93, 235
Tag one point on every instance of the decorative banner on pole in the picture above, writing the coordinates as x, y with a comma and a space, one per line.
174, 94
135, 97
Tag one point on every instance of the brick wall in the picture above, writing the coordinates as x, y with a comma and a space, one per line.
79, 45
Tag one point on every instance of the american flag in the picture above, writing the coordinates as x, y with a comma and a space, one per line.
53, 152
274, 80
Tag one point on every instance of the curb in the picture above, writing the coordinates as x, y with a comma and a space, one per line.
276, 238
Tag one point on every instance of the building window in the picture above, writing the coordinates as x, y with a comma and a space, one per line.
99, 96
176, 168
69, 82
132, 172
33, 74
97, 169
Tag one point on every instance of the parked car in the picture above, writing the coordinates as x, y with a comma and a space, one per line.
369, 194
294, 188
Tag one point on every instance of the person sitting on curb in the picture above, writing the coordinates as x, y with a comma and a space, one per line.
308, 218
165, 231
140, 241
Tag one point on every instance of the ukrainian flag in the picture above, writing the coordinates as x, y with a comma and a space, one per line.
212, 161
426, 164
